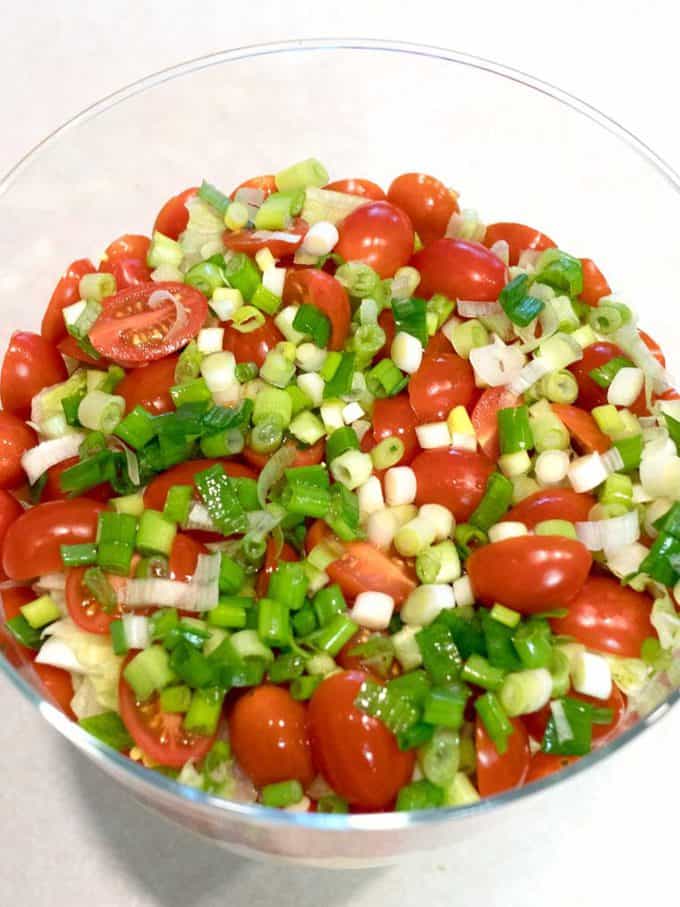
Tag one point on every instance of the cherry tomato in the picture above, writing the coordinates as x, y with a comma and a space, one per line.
125, 258
252, 346
530, 573
131, 331
544, 764
308, 456
552, 504
69, 346
30, 364
173, 217
15, 439
33, 541
393, 417
595, 285
427, 201
442, 382
12, 599
149, 386
268, 734
324, 292
272, 557
590, 393
496, 772
58, 686
252, 241
609, 617
160, 735
65, 293
460, 270
357, 754
363, 568
130, 245
537, 722
10, 510
485, 417
266, 184
364, 188
184, 557
52, 490
379, 234
455, 478
582, 427
519, 237
653, 347
83, 608
157, 490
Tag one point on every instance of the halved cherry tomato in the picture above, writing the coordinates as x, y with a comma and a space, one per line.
544, 764
33, 541
455, 478
552, 504
530, 573
184, 557
125, 258
427, 201
496, 772
10, 510
58, 686
252, 241
485, 417
442, 382
11, 601
173, 217
131, 331
595, 285
460, 270
357, 754
266, 184
313, 287
65, 293
393, 417
30, 364
52, 490
536, 722
254, 345
157, 490
68, 346
364, 568
83, 608
582, 427
160, 735
364, 188
607, 616
15, 439
519, 238
272, 557
653, 347
268, 734
590, 393
307, 456
149, 386
379, 234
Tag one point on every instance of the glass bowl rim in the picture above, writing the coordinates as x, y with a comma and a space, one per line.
256, 813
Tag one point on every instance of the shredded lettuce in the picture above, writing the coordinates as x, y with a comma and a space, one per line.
666, 622
629, 674
204, 232
101, 666
47, 412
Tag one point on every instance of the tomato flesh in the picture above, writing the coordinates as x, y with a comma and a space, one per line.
582, 427
364, 568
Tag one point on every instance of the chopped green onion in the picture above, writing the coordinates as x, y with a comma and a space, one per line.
266, 301
328, 603
419, 795
660, 563
339, 441
333, 636
559, 387
288, 584
310, 172
205, 711
410, 315
467, 336
556, 527
533, 644
498, 640
441, 657
445, 705
496, 501
569, 729
605, 318
177, 503
311, 321
40, 612
176, 699
385, 379
518, 305
496, 722
116, 537
273, 622
148, 672
396, 712
331, 803
221, 499
469, 537
214, 197
23, 632
340, 383
631, 451
388, 452
478, 671
514, 429
81, 555
119, 642
302, 688
605, 374
241, 273
281, 794
560, 271
439, 758
109, 728
193, 391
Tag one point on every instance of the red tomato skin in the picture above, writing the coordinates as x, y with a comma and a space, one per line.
149, 386
83, 610
10, 510
442, 382
129, 272
32, 543
364, 188
252, 347
52, 490
58, 686
157, 489
252, 241
15, 439
519, 237
65, 293
271, 558
552, 504
544, 764
30, 364
130, 245
460, 270
309, 456
173, 217
609, 617
267, 183
127, 314
11, 600
312, 287
427, 201
364, 568
582, 427
357, 754
590, 393
530, 573
455, 478
484, 417
495, 772
68, 346
379, 234
653, 347
184, 557
595, 284
394, 417
536, 722
268, 734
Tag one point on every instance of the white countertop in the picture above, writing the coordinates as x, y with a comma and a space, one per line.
70, 835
